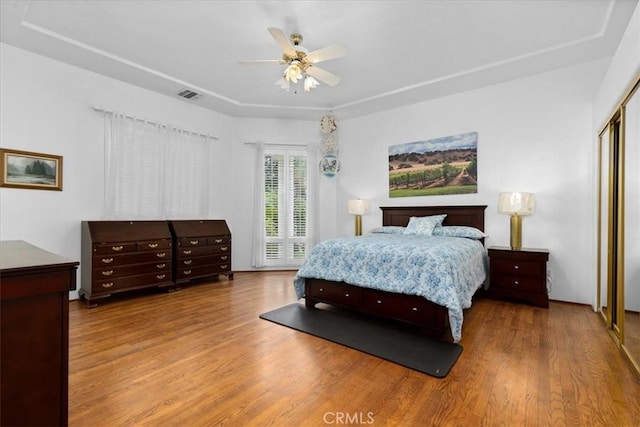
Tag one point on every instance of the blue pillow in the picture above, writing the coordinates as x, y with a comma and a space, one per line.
389, 229
459, 231
424, 225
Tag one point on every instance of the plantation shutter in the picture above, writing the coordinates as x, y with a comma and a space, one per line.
286, 207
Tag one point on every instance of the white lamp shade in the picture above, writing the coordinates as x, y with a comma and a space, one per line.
516, 203
357, 206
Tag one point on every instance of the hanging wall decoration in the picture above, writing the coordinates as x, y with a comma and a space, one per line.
439, 166
329, 164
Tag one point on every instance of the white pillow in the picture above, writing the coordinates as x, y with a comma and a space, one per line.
459, 231
424, 225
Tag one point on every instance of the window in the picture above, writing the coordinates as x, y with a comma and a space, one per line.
286, 206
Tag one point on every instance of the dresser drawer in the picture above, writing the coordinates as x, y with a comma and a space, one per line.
414, 309
153, 245
130, 282
130, 258
220, 249
184, 252
193, 241
521, 283
516, 267
129, 270
114, 248
203, 260
334, 293
217, 240
201, 271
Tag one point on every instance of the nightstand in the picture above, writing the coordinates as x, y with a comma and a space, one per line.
518, 274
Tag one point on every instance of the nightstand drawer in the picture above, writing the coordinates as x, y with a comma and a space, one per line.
516, 268
522, 283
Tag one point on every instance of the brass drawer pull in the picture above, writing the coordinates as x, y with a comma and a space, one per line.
346, 295
161, 265
187, 272
194, 242
379, 302
415, 309
107, 273
218, 240
515, 282
107, 260
224, 248
153, 245
161, 276
187, 261
517, 267
224, 258
224, 267
117, 248
187, 252
321, 289
107, 285
161, 255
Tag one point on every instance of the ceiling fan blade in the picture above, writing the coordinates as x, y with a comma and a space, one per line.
282, 40
326, 53
262, 61
324, 76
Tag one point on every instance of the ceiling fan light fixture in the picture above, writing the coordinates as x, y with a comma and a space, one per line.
284, 84
293, 72
310, 83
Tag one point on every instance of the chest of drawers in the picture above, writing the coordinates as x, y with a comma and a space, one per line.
119, 256
519, 274
34, 335
202, 249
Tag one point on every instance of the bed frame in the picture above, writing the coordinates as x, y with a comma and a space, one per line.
432, 319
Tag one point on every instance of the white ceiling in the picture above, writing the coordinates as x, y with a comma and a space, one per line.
400, 52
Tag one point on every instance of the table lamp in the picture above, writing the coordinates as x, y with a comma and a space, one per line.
517, 204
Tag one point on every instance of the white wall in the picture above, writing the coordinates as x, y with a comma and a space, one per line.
46, 107
534, 134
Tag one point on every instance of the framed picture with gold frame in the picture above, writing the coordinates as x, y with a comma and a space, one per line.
25, 169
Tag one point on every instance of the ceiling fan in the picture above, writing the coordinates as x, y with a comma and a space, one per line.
301, 64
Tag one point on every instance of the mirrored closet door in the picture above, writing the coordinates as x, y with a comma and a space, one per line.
618, 274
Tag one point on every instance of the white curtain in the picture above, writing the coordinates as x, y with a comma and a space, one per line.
154, 171
258, 255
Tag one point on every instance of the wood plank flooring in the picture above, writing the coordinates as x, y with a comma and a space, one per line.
202, 357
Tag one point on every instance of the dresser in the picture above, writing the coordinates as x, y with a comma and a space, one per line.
119, 256
34, 334
518, 274
202, 249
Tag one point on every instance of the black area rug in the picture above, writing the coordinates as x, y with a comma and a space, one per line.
391, 343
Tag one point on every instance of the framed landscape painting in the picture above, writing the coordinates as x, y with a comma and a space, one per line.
446, 165
24, 169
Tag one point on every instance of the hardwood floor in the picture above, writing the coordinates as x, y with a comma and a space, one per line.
202, 357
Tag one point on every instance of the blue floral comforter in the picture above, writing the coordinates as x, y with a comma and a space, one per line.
445, 270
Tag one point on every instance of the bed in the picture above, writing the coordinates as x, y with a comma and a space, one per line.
414, 303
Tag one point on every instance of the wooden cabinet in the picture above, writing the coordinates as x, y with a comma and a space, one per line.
34, 335
119, 256
202, 249
518, 274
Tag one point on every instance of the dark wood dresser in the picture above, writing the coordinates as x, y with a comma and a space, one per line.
202, 249
34, 335
120, 256
518, 274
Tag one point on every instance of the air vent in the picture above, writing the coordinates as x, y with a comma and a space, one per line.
189, 94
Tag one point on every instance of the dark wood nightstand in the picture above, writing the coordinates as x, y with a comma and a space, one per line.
518, 274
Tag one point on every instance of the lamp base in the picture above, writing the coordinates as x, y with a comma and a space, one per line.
358, 225
516, 232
